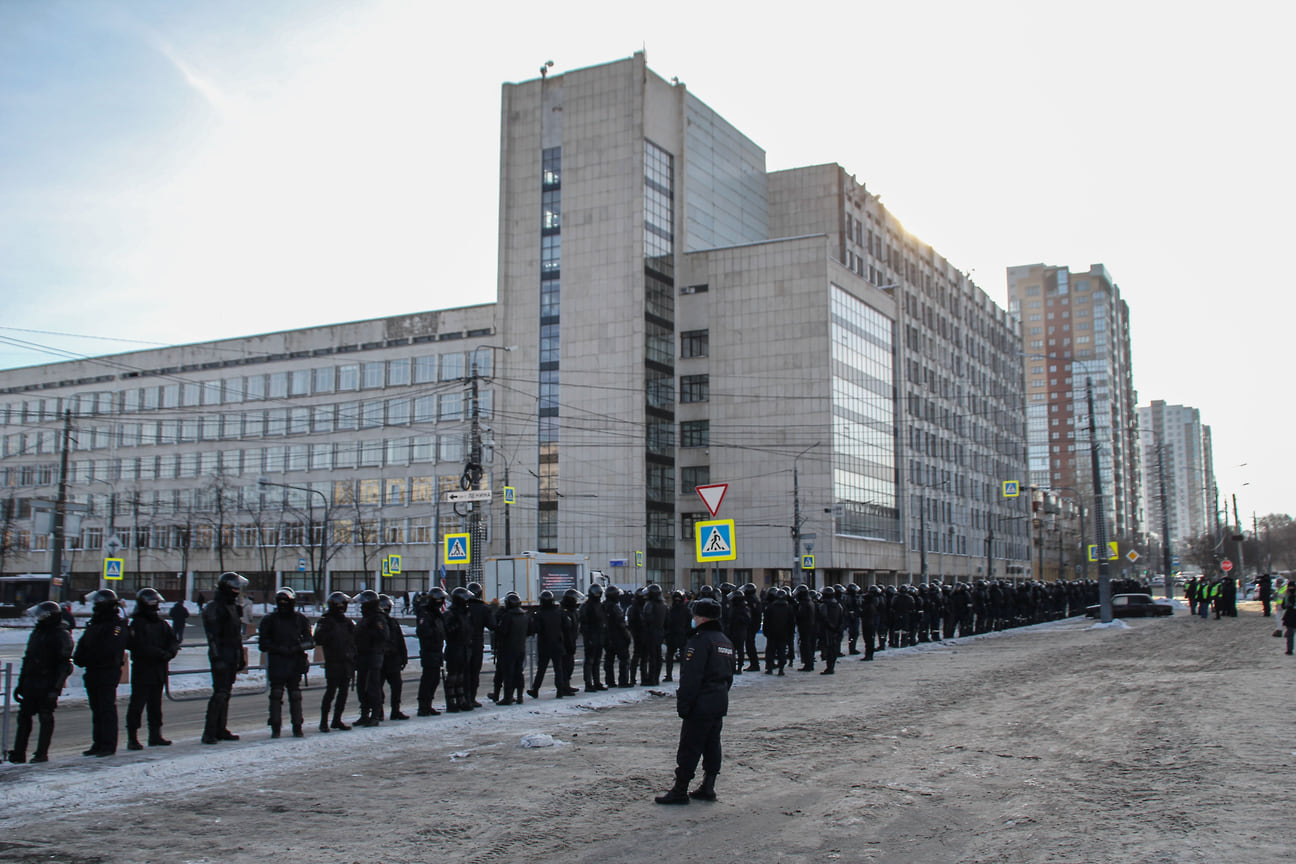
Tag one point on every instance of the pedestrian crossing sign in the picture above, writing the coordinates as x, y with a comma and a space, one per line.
393, 565
715, 540
807, 562
1011, 488
113, 568
458, 549
386, 565
510, 494
1113, 551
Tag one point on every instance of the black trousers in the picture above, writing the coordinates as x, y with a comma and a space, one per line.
101, 693
369, 691
593, 657
293, 687
429, 681
218, 705
617, 659
699, 739
145, 694
42, 704
391, 675
544, 658
778, 652
337, 681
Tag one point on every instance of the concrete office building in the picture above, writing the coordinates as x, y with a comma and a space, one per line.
1176, 472
1076, 329
669, 315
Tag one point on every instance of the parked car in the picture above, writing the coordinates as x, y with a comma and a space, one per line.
1134, 606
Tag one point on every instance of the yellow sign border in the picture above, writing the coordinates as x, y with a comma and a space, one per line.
699, 528
121, 569
467, 559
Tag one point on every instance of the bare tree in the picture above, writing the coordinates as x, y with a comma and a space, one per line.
8, 537
220, 504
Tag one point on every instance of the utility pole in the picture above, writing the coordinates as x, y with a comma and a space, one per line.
471, 479
1238, 538
922, 542
990, 545
60, 508
507, 512
1100, 522
1165, 524
796, 521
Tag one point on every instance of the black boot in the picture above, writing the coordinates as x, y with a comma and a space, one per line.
132, 740
155, 738
678, 794
274, 731
705, 792
324, 721
17, 756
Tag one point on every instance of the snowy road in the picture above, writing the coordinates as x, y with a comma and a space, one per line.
1168, 741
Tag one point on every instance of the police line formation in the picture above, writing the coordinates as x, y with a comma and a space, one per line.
623, 636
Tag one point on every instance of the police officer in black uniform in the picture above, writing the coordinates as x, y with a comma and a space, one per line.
512, 626
431, 636
755, 615
458, 650
593, 628
702, 702
830, 619
618, 640
479, 618
371, 649
223, 621
101, 652
335, 633
284, 637
152, 646
780, 619
549, 625
570, 604
805, 623
46, 666
395, 659
679, 624
654, 633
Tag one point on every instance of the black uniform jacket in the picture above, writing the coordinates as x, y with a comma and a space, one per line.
706, 674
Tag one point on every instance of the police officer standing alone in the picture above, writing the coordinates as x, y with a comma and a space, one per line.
223, 621
45, 668
152, 646
101, 652
702, 702
284, 637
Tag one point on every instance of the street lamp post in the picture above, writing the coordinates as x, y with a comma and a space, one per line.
473, 470
321, 576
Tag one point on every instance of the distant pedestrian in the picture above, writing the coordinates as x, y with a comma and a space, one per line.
1289, 623
179, 615
1264, 592
702, 701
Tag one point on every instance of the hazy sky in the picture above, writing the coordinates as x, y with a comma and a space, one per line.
177, 172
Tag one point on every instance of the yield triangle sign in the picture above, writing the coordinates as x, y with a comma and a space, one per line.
712, 495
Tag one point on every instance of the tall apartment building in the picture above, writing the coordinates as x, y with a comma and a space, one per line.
669, 316
1075, 329
1178, 481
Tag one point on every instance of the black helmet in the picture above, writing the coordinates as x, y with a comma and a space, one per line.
654, 592
42, 611
571, 598
546, 598
285, 597
802, 590
750, 589
596, 591
338, 602
852, 588
438, 595
459, 596
678, 595
726, 588
385, 604
148, 597
706, 607
475, 589
368, 600
613, 592
231, 583
104, 598
512, 600
706, 591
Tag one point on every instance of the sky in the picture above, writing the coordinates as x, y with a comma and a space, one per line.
180, 172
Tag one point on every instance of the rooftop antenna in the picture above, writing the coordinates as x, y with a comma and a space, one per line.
544, 70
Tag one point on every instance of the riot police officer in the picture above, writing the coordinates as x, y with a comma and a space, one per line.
371, 649
618, 640
511, 629
335, 633
152, 646
654, 633
46, 665
101, 652
395, 659
550, 626
431, 636
284, 637
679, 623
458, 650
223, 621
593, 627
